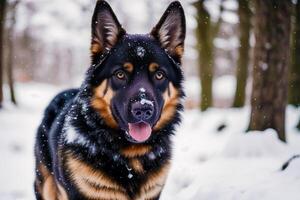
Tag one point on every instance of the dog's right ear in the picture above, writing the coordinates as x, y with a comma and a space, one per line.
106, 29
170, 30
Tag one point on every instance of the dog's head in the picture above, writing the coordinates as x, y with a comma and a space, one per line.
137, 78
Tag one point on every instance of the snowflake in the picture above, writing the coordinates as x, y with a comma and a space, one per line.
140, 51
142, 90
130, 176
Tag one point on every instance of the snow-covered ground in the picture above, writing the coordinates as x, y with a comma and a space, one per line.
18, 126
232, 165
207, 164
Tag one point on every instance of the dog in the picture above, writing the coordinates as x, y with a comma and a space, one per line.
110, 139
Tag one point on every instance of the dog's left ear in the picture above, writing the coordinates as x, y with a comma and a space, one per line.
106, 29
170, 30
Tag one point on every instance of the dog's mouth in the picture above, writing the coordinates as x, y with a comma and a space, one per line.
140, 131
135, 132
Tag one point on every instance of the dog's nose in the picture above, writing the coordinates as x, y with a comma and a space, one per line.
142, 111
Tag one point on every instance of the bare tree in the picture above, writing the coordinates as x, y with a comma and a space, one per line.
206, 31
2, 24
11, 19
244, 13
294, 75
271, 59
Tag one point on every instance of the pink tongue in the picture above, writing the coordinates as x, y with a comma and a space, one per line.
140, 131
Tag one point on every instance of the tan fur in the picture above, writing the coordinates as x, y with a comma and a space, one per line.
153, 67
179, 51
135, 150
154, 184
38, 186
128, 66
171, 100
49, 188
62, 195
101, 103
105, 194
93, 183
136, 165
96, 48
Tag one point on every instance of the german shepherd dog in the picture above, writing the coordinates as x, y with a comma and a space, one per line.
110, 139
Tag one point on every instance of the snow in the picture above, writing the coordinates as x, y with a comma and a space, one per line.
213, 7
76, 138
146, 101
230, 5
116, 157
142, 89
73, 137
226, 44
255, 144
268, 45
264, 66
140, 51
230, 17
18, 126
224, 86
230, 164
207, 164
151, 156
130, 175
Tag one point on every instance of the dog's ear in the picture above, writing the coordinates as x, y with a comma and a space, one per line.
170, 30
106, 29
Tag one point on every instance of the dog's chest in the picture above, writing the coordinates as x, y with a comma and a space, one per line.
153, 185
137, 184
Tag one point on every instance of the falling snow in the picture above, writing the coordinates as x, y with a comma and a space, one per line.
116, 157
268, 46
151, 156
263, 65
130, 176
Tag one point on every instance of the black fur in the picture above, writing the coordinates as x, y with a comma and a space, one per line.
72, 109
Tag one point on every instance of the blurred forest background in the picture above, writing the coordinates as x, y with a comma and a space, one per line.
242, 71
250, 48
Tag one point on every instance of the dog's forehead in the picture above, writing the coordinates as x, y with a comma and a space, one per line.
140, 48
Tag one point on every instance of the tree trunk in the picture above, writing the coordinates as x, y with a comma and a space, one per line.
10, 50
244, 13
271, 56
205, 49
2, 23
10, 72
294, 75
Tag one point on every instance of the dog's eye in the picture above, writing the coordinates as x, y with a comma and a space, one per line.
159, 75
120, 74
